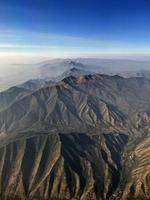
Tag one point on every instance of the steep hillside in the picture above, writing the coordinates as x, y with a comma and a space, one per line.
12, 95
64, 166
135, 182
81, 103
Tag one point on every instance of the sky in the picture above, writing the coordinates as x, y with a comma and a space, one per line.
41, 29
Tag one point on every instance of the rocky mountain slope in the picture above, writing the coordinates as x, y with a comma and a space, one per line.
75, 166
64, 166
84, 137
83, 102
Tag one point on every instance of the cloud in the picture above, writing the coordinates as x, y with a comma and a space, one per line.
23, 46
27, 36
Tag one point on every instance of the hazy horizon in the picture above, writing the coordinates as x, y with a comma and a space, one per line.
35, 31
17, 73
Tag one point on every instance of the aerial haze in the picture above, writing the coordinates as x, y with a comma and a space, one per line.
35, 31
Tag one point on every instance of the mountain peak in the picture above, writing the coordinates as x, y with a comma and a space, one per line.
74, 69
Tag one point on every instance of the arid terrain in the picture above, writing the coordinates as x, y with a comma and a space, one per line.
81, 136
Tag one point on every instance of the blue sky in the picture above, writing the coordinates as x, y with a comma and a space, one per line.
57, 28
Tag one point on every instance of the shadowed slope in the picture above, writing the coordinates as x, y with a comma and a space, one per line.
65, 166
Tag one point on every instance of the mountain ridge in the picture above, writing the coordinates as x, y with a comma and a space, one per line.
80, 85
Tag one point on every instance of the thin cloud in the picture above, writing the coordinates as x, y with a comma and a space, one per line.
25, 44
42, 38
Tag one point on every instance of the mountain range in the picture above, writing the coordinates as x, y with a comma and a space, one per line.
81, 135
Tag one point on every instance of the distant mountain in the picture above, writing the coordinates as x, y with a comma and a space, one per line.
36, 84
104, 66
124, 68
18, 74
75, 72
56, 67
140, 73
